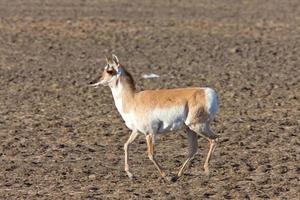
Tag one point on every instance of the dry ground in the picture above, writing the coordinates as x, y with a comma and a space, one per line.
61, 139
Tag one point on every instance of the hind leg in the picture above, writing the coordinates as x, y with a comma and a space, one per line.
204, 130
193, 146
212, 147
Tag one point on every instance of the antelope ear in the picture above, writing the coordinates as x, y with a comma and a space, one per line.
107, 60
115, 59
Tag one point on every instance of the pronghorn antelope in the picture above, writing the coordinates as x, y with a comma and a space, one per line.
157, 111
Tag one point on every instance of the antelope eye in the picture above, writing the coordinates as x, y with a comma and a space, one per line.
110, 71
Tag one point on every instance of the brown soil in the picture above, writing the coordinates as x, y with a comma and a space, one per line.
61, 139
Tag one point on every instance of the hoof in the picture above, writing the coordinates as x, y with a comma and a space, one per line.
130, 176
174, 179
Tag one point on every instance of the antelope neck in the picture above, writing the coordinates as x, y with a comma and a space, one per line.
123, 93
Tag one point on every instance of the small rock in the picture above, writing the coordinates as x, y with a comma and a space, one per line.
94, 188
92, 176
235, 50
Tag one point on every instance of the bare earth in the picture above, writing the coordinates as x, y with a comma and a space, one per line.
61, 139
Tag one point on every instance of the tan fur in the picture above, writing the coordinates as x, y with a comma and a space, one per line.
191, 98
170, 97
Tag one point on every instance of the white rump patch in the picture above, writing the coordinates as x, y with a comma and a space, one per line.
211, 100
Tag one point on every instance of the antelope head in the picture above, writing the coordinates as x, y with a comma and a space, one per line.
110, 74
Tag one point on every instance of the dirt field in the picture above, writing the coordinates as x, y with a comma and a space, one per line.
60, 139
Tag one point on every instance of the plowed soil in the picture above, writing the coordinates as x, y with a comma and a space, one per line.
60, 139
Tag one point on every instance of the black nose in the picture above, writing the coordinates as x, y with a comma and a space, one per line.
94, 81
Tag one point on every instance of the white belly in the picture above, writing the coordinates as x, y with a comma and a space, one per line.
171, 118
163, 119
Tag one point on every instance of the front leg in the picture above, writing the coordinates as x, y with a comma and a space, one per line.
150, 145
132, 137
